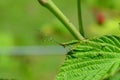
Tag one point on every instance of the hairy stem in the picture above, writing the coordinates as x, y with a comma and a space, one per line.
55, 10
81, 30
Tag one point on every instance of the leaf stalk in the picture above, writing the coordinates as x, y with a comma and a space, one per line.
81, 30
56, 11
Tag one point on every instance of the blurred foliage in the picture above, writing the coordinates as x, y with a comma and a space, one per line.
25, 19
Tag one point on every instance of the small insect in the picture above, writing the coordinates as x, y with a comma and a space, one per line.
69, 43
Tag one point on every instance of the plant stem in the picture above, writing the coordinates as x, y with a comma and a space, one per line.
55, 10
81, 30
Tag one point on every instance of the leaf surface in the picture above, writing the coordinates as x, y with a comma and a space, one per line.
94, 59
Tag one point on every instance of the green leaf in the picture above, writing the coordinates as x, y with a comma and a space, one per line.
94, 59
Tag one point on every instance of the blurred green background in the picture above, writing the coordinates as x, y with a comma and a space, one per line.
27, 23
